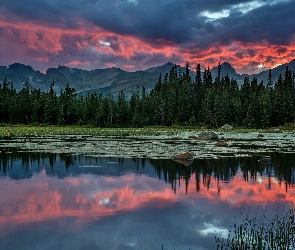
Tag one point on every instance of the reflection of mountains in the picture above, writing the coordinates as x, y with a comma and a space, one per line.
20, 165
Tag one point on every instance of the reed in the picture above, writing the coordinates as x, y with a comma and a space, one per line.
260, 233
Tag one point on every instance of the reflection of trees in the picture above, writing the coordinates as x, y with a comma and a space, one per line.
250, 166
284, 165
201, 173
67, 159
203, 170
20, 165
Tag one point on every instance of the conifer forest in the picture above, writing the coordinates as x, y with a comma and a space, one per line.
176, 99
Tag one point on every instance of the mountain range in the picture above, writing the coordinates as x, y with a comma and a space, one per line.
114, 79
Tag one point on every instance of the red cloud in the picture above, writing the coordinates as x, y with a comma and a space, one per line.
89, 47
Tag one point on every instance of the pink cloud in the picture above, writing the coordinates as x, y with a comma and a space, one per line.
88, 46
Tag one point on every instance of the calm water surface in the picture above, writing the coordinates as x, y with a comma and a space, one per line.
58, 201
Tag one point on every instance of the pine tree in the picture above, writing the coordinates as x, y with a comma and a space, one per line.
198, 94
51, 108
123, 114
244, 96
252, 116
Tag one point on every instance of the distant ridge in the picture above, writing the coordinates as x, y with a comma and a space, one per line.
114, 79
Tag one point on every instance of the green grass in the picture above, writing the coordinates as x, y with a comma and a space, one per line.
36, 130
15, 131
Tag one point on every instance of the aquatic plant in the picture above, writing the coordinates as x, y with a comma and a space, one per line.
7, 130
260, 233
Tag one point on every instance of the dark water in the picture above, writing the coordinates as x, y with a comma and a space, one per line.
58, 201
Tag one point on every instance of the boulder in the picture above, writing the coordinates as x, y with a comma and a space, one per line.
184, 159
187, 156
207, 136
260, 135
221, 144
227, 127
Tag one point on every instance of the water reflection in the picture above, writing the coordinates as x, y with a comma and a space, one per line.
21, 165
115, 203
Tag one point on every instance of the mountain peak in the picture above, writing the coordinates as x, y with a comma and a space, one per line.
226, 69
170, 64
162, 68
116, 79
18, 66
227, 66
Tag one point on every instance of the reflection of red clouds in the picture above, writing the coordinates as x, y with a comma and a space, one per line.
40, 184
238, 192
76, 181
94, 199
89, 202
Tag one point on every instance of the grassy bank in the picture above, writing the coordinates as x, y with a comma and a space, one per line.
30, 130
14, 131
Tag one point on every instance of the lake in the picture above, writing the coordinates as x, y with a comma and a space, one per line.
71, 201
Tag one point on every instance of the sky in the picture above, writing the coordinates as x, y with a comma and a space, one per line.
138, 34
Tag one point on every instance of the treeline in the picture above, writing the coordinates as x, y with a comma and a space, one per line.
176, 99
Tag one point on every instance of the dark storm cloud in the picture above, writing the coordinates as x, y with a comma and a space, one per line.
181, 22
53, 11
170, 29
171, 20
270, 23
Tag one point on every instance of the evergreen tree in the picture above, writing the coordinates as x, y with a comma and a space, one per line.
252, 116
123, 113
51, 107
244, 96
199, 92
67, 113
38, 103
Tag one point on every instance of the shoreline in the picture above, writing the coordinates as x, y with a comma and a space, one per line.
161, 144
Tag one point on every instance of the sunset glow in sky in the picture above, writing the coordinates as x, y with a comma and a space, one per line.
139, 34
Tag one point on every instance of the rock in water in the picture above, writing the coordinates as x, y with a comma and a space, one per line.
187, 156
227, 127
221, 144
207, 136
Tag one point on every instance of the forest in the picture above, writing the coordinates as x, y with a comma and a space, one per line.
176, 99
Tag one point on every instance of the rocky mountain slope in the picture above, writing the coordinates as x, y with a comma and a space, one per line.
112, 79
